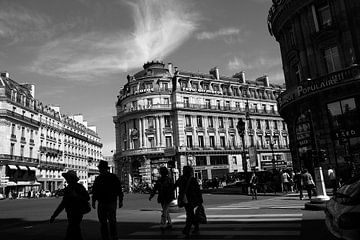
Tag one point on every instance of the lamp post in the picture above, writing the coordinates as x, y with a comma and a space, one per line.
241, 130
271, 144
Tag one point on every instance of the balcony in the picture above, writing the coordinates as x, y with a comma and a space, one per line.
259, 132
23, 140
18, 159
13, 137
32, 142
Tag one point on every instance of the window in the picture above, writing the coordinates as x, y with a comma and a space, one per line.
232, 140
22, 151
165, 86
188, 120
23, 132
227, 105
201, 141
148, 86
218, 104
212, 141
149, 102
200, 160
332, 59
189, 142
199, 121
283, 125
186, 102
151, 122
13, 129
297, 72
207, 103
236, 91
166, 101
222, 141
231, 122
255, 107
32, 134
324, 16
275, 124
12, 146
195, 85
234, 161
31, 152
167, 121
237, 105
264, 108
272, 107
221, 122
168, 141
151, 142
267, 126
206, 86
134, 104
219, 160
211, 121
258, 125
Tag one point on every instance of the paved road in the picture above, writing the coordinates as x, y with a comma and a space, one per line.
230, 217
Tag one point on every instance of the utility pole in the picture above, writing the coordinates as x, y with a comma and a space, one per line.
241, 130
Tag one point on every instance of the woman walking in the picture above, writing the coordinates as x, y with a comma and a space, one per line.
253, 186
190, 197
74, 199
308, 183
164, 186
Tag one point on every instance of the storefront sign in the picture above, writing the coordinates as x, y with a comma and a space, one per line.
305, 89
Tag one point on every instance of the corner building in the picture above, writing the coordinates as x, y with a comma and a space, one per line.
320, 48
168, 117
38, 143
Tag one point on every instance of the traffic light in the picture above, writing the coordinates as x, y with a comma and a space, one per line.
323, 156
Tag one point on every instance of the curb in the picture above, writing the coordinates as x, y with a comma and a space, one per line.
315, 206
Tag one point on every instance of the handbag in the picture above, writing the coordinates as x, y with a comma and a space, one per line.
85, 207
200, 215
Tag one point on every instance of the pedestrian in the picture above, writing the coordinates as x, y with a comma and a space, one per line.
308, 181
285, 181
298, 180
253, 186
189, 196
75, 195
107, 190
164, 186
332, 179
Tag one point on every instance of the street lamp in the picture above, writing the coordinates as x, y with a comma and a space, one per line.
241, 130
271, 144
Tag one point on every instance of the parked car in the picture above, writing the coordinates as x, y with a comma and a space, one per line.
343, 211
2, 196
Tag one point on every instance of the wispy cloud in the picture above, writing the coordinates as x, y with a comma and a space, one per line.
229, 35
159, 28
261, 62
18, 23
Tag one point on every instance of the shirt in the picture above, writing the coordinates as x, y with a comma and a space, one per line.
107, 188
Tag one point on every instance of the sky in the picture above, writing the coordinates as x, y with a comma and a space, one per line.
79, 52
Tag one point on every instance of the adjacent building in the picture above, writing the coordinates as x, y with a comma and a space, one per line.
38, 143
169, 117
320, 48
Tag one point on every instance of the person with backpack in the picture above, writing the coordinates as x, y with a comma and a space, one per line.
189, 197
164, 186
309, 184
76, 203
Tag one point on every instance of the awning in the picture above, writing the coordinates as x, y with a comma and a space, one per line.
32, 168
22, 167
27, 183
12, 167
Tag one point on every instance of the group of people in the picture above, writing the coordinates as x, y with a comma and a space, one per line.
107, 193
304, 181
189, 189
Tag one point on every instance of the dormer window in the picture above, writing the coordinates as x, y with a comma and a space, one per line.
324, 13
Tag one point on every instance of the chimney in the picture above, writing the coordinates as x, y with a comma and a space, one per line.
170, 68
215, 72
264, 80
5, 74
240, 76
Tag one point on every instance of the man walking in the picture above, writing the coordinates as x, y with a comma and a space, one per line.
106, 190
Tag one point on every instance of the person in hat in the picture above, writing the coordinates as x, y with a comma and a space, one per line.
107, 190
74, 195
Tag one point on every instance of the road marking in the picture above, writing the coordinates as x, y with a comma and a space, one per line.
250, 215
229, 233
244, 224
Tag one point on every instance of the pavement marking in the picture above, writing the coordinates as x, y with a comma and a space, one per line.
229, 233
250, 215
241, 225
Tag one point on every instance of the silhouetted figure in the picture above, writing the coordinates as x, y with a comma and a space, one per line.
164, 186
189, 187
308, 182
253, 186
106, 190
74, 196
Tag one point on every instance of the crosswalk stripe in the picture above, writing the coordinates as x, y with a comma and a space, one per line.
272, 225
250, 215
247, 220
222, 233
